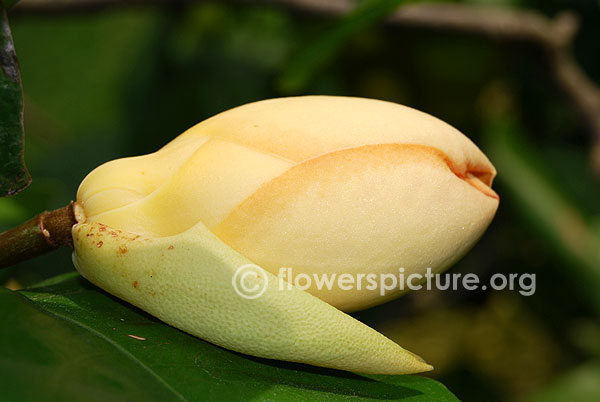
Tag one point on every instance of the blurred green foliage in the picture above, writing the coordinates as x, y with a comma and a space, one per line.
326, 45
9, 3
543, 203
123, 82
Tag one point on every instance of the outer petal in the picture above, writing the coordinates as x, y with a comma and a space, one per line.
304, 127
186, 280
372, 209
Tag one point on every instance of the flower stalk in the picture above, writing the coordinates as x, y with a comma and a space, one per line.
41, 234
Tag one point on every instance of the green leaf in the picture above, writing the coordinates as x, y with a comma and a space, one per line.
306, 63
67, 340
14, 176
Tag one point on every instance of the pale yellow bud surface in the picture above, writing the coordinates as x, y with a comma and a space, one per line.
318, 184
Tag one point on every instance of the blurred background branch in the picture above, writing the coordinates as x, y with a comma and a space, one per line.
554, 36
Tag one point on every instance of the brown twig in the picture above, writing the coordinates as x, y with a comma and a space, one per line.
554, 36
41, 234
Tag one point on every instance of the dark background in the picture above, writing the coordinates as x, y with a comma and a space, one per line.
104, 83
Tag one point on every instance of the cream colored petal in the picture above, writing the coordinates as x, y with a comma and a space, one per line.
301, 128
109, 199
140, 174
213, 181
186, 281
372, 209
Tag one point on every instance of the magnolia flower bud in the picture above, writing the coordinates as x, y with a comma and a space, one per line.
320, 185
